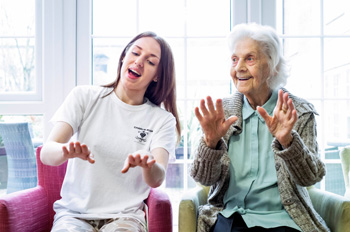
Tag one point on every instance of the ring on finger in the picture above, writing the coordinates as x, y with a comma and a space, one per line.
284, 108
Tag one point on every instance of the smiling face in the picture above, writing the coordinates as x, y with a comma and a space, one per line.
250, 71
139, 68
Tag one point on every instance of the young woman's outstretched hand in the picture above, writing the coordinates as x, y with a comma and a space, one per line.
77, 150
139, 158
212, 121
153, 165
57, 150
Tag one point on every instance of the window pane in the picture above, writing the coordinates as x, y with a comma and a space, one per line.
190, 129
208, 18
334, 179
178, 48
175, 176
163, 17
17, 46
208, 69
194, 131
336, 116
17, 17
305, 77
336, 17
332, 152
17, 65
106, 53
112, 17
36, 122
301, 17
191, 183
180, 147
336, 67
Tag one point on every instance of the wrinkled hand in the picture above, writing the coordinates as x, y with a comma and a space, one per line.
139, 158
77, 150
212, 121
283, 119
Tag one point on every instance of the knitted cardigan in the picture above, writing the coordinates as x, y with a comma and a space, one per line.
297, 167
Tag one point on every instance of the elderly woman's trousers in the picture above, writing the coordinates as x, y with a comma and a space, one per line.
235, 223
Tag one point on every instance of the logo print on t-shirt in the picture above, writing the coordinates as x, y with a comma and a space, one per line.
142, 134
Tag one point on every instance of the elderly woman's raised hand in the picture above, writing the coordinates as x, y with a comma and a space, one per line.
283, 119
212, 121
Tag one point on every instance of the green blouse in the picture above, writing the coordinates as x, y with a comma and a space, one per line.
253, 190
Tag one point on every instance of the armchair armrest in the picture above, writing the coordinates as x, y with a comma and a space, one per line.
188, 208
25, 210
333, 208
160, 217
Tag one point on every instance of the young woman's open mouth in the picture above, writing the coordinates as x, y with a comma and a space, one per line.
133, 74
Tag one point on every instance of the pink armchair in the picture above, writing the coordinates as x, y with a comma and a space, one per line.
31, 209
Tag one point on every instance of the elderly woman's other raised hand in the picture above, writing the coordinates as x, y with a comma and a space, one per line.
212, 120
283, 119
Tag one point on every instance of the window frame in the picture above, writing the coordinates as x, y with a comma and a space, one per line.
37, 94
55, 62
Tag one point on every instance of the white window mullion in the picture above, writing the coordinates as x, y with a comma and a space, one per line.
84, 64
38, 48
69, 44
322, 129
59, 55
239, 12
268, 15
258, 11
254, 11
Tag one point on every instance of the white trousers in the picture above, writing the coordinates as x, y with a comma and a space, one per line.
65, 224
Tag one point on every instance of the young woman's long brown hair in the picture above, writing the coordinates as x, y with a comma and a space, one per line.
162, 92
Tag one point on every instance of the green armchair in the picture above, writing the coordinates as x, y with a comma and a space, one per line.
334, 209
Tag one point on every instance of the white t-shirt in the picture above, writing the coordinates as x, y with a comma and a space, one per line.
112, 130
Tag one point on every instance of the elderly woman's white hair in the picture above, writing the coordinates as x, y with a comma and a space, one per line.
270, 45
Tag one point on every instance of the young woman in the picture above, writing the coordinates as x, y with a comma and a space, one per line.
124, 141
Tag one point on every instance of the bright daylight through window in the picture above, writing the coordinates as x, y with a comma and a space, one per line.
315, 37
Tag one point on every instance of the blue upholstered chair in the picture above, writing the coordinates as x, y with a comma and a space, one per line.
21, 159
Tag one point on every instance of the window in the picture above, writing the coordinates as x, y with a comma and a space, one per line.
37, 39
46, 42
20, 76
314, 35
20, 70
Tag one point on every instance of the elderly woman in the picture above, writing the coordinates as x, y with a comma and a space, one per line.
259, 149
